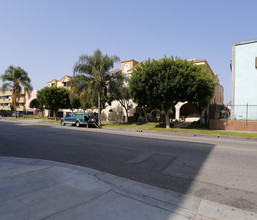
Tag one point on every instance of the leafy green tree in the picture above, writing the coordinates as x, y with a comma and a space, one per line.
118, 90
163, 83
15, 78
74, 100
95, 71
35, 104
80, 87
54, 98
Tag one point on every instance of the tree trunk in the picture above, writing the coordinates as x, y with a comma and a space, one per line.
126, 119
99, 108
55, 115
167, 118
14, 104
146, 119
15, 111
202, 113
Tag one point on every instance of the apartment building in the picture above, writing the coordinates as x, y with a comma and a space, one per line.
218, 97
6, 100
61, 82
127, 67
183, 109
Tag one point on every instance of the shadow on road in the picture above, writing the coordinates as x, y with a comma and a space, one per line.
168, 164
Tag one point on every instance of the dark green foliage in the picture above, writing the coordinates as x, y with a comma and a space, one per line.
163, 83
154, 113
136, 115
53, 98
74, 100
34, 103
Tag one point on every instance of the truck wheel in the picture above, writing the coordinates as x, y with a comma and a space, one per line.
77, 124
62, 123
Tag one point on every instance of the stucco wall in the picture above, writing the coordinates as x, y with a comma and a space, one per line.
244, 77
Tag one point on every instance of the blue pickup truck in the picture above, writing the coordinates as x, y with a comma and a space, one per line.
80, 119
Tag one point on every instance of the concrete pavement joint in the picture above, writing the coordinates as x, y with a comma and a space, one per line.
77, 205
154, 202
27, 173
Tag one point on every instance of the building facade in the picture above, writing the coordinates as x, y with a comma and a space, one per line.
29, 98
59, 83
218, 97
244, 80
6, 101
22, 102
127, 67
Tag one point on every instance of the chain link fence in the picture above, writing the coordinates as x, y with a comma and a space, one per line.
243, 112
233, 112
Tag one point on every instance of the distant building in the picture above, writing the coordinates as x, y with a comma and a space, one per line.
218, 97
188, 109
6, 101
244, 80
184, 109
29, 98
127, 67
61, 82
22, 102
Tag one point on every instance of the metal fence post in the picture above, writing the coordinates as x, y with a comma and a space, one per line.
247, 114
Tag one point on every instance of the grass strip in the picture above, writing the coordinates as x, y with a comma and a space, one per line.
146, 126
152, 126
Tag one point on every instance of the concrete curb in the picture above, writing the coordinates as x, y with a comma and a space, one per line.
168, 133
182, 134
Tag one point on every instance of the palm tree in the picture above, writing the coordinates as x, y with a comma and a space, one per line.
95, 70
15, 78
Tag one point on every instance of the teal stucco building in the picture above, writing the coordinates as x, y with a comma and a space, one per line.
244, 80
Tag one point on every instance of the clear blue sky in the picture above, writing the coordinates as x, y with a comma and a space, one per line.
46, 37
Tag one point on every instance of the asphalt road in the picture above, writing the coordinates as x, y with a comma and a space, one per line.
223, 170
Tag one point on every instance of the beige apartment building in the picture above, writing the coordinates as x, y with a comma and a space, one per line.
218, 97
60, 83
186, 111
22, 102
6, 101
127, 67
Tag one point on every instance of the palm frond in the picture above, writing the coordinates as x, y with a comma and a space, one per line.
5, 86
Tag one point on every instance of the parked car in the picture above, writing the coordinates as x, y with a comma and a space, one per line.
79, 119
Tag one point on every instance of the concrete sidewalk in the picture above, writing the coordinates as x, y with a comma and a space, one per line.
38, 189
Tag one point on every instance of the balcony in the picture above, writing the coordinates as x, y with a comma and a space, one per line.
5, 108
5, 101
20, 108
